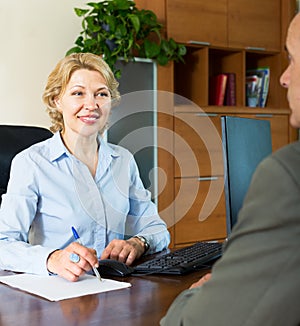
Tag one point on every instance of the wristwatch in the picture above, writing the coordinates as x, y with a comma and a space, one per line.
144, 241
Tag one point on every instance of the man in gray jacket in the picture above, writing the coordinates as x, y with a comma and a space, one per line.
257, 281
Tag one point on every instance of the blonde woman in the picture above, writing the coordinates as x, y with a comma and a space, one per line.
76, 179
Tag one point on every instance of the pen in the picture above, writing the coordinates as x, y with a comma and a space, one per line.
77, 238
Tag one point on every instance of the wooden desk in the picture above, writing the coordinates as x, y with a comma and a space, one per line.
145, 303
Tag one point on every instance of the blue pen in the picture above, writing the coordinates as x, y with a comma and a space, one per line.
77, 238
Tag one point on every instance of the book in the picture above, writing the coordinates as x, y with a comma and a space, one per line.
217, 89
230, 94
265, 86
257, 86
252, 90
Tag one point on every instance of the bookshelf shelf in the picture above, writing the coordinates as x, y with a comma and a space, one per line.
228, 109
204, 62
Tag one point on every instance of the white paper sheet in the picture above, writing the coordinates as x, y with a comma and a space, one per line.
55, 288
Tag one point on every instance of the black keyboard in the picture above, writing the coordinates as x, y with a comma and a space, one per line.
183, 260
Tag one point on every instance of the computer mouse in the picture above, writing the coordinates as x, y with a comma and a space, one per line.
111, 267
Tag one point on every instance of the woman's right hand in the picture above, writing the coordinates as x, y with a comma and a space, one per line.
59, 261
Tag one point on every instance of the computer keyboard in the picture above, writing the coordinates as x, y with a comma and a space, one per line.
183, 260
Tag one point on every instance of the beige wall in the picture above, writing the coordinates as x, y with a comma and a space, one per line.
35, 34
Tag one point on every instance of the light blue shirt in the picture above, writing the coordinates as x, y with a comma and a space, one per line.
50, 191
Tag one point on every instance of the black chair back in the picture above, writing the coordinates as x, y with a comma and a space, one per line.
13, 139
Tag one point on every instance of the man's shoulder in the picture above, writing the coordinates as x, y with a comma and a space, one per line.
289, 154
289, 158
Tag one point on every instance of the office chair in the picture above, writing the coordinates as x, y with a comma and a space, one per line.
246, 142
14, 139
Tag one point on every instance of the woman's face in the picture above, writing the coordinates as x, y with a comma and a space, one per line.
85, 104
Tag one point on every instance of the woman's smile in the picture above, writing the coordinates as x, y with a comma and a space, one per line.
89, 119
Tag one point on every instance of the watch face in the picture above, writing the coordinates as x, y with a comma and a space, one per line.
145, 242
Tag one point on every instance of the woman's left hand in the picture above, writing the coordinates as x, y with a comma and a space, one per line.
125, 251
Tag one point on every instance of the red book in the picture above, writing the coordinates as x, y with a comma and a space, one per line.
217, 89
230, 95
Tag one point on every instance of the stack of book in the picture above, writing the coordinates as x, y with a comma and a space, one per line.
257, 86
223, 89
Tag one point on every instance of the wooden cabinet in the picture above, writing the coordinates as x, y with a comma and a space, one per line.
197, 145
227, 36
199, 206
200, 213
199, 203
231, 23
197, 21
254, 24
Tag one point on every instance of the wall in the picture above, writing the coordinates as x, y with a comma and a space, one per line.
35, 34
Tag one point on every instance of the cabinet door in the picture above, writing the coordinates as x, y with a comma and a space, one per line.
200, 210
197, 21
197, 145
254, 24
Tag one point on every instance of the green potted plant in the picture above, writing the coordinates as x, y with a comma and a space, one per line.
118, 29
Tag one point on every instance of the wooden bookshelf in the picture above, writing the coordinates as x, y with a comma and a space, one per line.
221, 37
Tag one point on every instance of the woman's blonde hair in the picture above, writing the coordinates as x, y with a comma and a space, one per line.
60, 77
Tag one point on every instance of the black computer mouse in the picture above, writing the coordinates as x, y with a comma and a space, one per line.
111, 267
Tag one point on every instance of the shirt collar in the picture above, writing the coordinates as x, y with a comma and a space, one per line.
106, 149
58, 149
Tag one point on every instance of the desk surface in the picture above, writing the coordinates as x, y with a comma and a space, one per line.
144, 303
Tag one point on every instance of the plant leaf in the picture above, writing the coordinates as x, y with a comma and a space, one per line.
181, 50
121, 31
96, 5
135, 22
91, 26
79, 41
75, 49
123, 4
80, 12
111, 21
162, 59
151, 49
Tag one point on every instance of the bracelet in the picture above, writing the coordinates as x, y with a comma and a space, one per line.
144, 241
